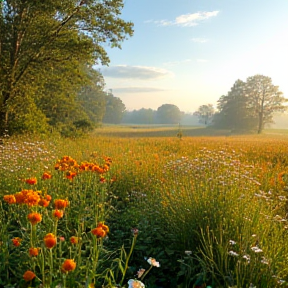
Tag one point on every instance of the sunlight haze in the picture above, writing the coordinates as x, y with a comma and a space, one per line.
189, 53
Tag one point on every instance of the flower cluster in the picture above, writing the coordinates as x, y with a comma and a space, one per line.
66, 163
101, 230
29, 197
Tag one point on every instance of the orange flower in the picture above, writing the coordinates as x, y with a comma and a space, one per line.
10, 199
43, 202
31, 181
101, 230
28, 276
68, 265
46, 176
60, 204
34, 218
74, 240
70, 175
16, 241
48, 197
34, 252
57, 213
50, 240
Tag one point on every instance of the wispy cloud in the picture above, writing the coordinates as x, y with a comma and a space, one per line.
187, 20
137, 90
136, 72
199, 40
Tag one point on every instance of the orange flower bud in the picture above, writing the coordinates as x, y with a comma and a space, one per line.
60, 204
68, 265
34, 252
28, 276
57, 213
10, 199
34, 218
74, 240
16, 241
50, 240
31, 181
46, 176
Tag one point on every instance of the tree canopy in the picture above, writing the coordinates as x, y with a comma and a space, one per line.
250, 105
168, 114
45, 49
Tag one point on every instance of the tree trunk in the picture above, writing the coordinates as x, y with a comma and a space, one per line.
260, 124
4, 115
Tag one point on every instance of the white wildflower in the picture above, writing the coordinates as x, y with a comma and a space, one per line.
232, 253
135, 284
153, 262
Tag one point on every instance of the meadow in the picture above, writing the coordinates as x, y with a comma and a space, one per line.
137, 206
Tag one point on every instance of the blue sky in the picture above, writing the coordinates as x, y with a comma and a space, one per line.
190, 52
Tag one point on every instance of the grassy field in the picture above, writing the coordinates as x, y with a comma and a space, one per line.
208, 208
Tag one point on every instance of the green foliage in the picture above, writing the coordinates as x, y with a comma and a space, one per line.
115, 109
168, 114
249, 105
44, 46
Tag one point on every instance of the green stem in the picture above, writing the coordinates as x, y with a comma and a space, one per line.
128, 258
146, 272
51, 267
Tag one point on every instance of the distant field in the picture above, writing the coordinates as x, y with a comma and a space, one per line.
126, 131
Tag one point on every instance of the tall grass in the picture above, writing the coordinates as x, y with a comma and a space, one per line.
212, 210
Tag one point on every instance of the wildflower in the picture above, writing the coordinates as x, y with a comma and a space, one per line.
46, 176
140, 272
48, 197
232, 253
99, 232
74, 240
50, 240
16, 241
28, 276
43, 202
31, 181
68, 265
153, 262
33, 252
135, 284
231, 242
246, 257
60, 204
34, 218
62, 238
256, 249
57, 213
134, 231
10, 199
70, 175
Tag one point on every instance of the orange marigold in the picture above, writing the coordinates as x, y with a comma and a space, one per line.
46, 176
70, 175
10, 199
16, 241
28, 276
74, 240
34, 218
33, 252
60, 204
43, 202
101, 230
57, 213
31, 181
50, 240
68, 265
48, 197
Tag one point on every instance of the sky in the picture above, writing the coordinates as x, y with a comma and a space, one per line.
190, 52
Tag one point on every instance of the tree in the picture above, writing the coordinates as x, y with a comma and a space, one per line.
250, 105
115, 109
265, 99
39, 37
205, 114
168, 114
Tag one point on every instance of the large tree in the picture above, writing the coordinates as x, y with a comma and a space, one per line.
39, 38
168, 114
250, 105
265, 99
205, 113
115, 109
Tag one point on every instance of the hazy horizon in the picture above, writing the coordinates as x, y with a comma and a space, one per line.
189, 54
